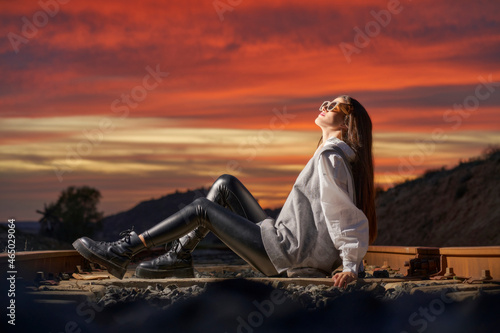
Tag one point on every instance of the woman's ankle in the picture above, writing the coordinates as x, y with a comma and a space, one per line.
141, 237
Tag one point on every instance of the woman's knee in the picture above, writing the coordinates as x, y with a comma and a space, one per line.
201, 202
220, 187
225, 179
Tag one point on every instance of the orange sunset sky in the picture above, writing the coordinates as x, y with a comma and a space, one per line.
138, 99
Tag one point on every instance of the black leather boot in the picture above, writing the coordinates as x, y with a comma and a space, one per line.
115, 256
177, 262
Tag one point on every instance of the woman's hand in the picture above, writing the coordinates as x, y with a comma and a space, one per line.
342, 279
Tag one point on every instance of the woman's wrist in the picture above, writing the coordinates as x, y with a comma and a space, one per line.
343, 279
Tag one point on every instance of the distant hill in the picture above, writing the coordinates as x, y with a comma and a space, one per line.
149, 213
146, 214
456, 207
28, 240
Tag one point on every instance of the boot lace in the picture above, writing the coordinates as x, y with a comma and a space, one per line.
124, 237
126, 234
173, 246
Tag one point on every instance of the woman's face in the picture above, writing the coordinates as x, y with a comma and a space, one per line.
331, 119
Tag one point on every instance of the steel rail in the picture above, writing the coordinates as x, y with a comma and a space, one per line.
414, 261
409, 261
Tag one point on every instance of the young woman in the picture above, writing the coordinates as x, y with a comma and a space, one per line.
328, 219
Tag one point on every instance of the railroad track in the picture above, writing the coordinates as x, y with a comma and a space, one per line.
447, 277
479, 263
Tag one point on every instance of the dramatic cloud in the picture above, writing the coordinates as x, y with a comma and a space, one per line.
142, 100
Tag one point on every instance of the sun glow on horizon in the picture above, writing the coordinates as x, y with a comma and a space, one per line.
87, 99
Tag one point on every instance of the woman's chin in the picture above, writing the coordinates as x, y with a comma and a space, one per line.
317, 121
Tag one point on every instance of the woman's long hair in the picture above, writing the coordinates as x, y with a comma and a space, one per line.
359, 137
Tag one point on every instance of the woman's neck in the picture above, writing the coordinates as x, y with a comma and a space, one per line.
330, 133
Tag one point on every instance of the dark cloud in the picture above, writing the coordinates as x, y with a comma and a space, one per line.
264, 55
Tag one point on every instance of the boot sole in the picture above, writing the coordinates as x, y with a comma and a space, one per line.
113, 269
160, 274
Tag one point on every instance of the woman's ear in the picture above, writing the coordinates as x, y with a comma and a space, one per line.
343, 132
345, 123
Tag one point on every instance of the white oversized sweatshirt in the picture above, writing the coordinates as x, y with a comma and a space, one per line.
319, 225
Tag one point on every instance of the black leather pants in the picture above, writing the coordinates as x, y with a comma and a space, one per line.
230, 212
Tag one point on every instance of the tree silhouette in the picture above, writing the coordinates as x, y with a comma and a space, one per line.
49, 222
73, 215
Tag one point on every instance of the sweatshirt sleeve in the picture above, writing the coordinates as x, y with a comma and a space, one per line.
347, 224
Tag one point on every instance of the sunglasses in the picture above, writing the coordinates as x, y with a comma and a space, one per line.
336, 106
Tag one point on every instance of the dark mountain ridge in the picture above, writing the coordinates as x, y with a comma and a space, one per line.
456, 207
149, 213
